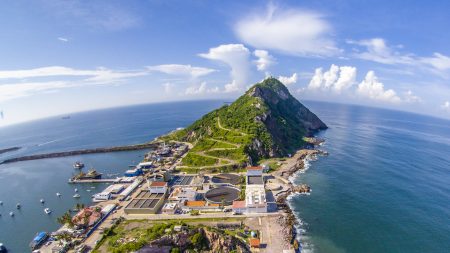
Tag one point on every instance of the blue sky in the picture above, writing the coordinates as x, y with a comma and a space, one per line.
59, 57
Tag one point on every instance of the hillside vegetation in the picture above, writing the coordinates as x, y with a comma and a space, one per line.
267, 121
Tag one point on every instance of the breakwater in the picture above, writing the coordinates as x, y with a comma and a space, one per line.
82, 152
9, 150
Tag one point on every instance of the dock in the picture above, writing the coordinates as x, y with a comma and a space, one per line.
90, 181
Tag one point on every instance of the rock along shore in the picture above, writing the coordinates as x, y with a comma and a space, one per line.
288, 220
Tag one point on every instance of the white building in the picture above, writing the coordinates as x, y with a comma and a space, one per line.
170, 208
102, 196
183, 194
157, 187
255, 199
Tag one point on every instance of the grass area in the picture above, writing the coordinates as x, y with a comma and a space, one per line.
233, 154
207, 144
192, 159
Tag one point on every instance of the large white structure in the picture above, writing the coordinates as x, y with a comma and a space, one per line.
255, 199
157, 187
181, 195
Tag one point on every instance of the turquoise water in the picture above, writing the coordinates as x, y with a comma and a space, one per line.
385, 187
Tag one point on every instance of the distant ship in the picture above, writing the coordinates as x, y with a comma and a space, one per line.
91, 174
78, 165
3, 248
38, 240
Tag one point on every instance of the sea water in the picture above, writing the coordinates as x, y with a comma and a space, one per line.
385, 187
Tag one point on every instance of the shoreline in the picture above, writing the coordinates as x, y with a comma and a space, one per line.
294, 165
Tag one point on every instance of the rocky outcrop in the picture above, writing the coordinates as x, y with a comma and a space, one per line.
224, 243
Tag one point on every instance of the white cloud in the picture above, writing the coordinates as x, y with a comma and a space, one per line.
264, 61
438, 61
178, 69
371, 88
236, 56
295, 32
336, 78
24, 83
446, 106
99, 74
287, 80
377, 50
63, 39
168, 87
411, 98
201, 89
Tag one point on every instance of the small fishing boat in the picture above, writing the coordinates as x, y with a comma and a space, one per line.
3, 248
47, 210
77, 196
11, 214
58, 194
1, 203
42, 201
78, 165
76, 190
18, 206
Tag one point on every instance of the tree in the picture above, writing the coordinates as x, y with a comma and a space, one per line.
175, 250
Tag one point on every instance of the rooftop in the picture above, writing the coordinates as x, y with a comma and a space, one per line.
238, 204
254, 168
255, 180
195, 203
254, 242
158, 184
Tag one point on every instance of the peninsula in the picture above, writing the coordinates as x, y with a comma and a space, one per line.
219, 185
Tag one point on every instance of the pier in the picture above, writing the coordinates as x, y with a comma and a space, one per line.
82, 152
90, 181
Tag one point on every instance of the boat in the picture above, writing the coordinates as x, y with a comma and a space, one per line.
77, 196
3, 248
47, 210
76, 190
78, 165
58, 194
42, 201
38, 240
18, 206
11, 214
1, 203
91, 174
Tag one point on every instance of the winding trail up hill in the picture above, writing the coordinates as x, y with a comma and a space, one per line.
267, 121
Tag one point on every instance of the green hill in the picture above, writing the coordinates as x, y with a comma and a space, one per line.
267, 121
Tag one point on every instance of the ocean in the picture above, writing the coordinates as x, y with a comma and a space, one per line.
385, 186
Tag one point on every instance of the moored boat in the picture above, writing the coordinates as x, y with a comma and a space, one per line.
77, 196
91, 174
78, 165
47, 210
3, 248
38, 240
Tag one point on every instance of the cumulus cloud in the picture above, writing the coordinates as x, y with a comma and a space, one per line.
236, 56
178, 69
410, 97
336, 78
446, 106
264, 61
287, 80
294, 32
372, 88
201, 89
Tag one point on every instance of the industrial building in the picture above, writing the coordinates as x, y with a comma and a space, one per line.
180, 194
145, 203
